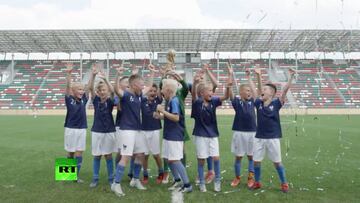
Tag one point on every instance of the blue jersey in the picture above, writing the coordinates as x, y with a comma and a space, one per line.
103, 118
205, 117
244, 115
174, 131
148, 108
268, 119
75, 112
130, 118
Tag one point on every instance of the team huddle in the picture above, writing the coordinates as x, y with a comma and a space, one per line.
141, 105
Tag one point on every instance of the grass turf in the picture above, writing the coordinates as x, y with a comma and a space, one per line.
320, 155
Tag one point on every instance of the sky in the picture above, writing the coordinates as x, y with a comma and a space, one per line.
203, 14
235, 14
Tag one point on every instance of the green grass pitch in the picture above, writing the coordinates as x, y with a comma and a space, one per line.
320, 154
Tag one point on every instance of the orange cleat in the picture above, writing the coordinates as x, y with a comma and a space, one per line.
145, 180
235, 182
284, 187
209, 177
159, 178
250, 181
256, 185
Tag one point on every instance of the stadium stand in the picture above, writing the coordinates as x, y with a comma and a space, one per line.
319, 84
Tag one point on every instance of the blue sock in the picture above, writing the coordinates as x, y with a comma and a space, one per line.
281, 171
201, 173
209, 162
131, 169
145, 172
182, 172
79, 162
137, 170
257, 170
237, 167
110, 169
174, 172
96, 168
119, 173
251, 166
217, 170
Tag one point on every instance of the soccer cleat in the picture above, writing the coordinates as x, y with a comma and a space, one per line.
116, 188
256, 185
79, 181
175, 185
202, 188
284, 187
251, 180
217, 186
159, 179
209, 177
136, 183
186, 189
94, 183
165, 179
235, 182
145, 180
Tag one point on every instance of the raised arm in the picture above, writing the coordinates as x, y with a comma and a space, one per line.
134, 69
69, 69
119, 72
258, 77
92, 79
151, 79
211, 76
196, 81
287, 86
251, 84
229, 84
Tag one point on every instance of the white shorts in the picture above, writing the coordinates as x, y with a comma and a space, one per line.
243, 143
152, 139
102, 143
206, 147
74, 139
172, 150
132, 142
269, 146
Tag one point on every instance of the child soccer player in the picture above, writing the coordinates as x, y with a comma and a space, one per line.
181, 94
205, 71
205, 129
268, 131
151, 126
75, 120
173, 134
103, 129
132, 141
122, 83
244, 127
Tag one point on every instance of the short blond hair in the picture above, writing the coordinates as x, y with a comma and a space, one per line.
77, 85
242, 86
170, 84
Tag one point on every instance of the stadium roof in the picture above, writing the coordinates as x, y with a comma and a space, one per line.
182, 40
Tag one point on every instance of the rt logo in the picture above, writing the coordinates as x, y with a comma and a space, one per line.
65, 169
